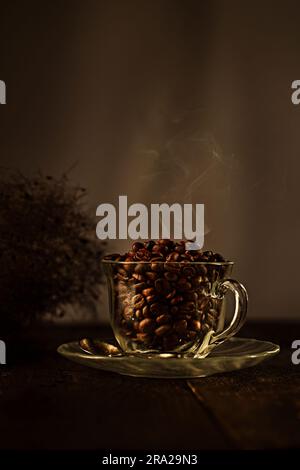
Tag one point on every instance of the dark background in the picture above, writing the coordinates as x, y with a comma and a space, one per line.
184, 101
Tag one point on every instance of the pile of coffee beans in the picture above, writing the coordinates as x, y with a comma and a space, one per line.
161, 297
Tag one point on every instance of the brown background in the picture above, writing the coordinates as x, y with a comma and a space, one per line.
185, 101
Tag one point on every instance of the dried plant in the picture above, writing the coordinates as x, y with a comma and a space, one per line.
49, 253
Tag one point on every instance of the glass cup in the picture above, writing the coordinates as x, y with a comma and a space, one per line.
172, 307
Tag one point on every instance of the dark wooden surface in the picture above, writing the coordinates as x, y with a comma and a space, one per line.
48, 402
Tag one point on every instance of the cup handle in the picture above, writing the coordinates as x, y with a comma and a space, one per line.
240, 310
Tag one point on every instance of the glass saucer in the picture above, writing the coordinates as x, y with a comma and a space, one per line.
234, 354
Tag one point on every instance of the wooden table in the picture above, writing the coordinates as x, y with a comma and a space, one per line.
48, 402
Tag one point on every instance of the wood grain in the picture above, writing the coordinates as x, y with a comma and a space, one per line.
47, 402
258, 408
52, 403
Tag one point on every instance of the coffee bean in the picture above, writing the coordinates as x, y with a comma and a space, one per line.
184, 286
142, 255
172, 267
138, 277
128, 267
161, 285
162, 294
158, 308
139, 268
151, 298
138, 300
147, 325
121, 277
170, 276
139, 287
149, 245
188, 306
171, 294
148, 291
162, 330
196, 325
173, 256
180, 248
123, 272
146, 311
176, 300
137, 246
174, 310
128, 333
152, 276
189, 271
156, 264
157, 248
166, 242
163, 319
202, 269
191, 295
128, 313
218, 258
180, 327
158, 257
139, 314
144, 338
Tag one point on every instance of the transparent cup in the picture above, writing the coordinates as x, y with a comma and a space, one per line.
172, 307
